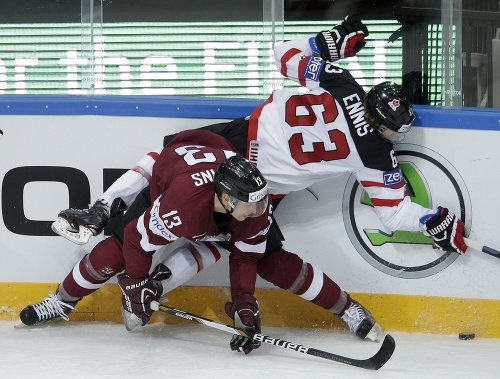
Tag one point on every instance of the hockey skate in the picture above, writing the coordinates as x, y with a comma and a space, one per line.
361, 322
79, 225
49, 309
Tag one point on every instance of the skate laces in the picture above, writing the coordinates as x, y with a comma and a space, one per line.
354, 315
51, 307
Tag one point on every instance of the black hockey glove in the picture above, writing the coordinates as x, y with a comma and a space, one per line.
244, 310
138, 295
446, 230
343, 41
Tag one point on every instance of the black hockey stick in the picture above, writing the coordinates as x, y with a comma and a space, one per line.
479, 247
373, 363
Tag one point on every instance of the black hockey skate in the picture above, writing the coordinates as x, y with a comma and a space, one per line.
50, 308
361, 322
79, 225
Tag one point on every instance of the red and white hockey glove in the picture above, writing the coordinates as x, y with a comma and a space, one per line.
138, 295
446, 230
244, 310
343, 41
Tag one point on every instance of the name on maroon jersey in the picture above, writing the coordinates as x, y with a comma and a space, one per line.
203, 177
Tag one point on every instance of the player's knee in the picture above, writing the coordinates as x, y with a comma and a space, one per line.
105, 260
282, 268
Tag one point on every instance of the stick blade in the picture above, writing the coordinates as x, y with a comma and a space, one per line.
383, 355
374, 363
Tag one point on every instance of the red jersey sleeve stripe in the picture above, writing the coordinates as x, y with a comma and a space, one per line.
214, 251
253, 123
386, 202
302, 65
285, 58
378, 184
154, 155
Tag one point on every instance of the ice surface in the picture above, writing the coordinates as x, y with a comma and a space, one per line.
95, 350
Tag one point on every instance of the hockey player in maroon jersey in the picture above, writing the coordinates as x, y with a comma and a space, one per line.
196, 194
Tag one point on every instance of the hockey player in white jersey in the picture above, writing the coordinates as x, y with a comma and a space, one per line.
299, 139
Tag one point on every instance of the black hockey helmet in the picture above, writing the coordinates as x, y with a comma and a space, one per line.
389, 101
243, 182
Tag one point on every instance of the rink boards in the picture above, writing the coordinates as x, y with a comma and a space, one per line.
59, 150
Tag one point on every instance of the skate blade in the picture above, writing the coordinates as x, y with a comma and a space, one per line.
62, 228
376, 333
130, 320
20, 325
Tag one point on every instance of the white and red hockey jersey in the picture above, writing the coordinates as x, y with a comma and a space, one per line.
299, 139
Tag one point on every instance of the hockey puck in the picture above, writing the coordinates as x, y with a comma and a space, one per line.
1, 133
466, 336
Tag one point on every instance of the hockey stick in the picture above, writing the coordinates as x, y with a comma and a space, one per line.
483, 248
373, 363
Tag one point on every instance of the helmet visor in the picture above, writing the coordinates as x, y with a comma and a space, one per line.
397, 136
245, 209
255, 206
406, 126
391, 135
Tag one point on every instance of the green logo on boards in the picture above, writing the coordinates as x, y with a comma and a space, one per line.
431, 181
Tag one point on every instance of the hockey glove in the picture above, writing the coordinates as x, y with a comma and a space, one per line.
244, 310
343, 41
446, 230
138, 295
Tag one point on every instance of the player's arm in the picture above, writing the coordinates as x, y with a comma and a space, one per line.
343, 40
305, 58
244, 307
393, 205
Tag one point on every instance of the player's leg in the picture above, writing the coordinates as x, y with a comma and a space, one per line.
185, 262
88, 275
288, 271
79, 225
